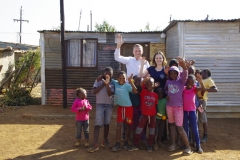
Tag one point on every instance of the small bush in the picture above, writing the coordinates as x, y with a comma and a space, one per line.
17, 96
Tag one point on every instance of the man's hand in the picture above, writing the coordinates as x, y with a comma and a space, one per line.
119, 40
143, 61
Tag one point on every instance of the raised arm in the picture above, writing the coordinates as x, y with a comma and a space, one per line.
202, 87
185, 70
117, 55
143, 72
96, 88
108, 89
134, 88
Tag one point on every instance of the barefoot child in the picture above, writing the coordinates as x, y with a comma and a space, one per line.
149, 100
104, 109
174, 89
81, 107
209, 87
160, 118
189, 107
125, 109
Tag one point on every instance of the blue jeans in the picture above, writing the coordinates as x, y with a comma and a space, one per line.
190, 118
103, 114
85, 126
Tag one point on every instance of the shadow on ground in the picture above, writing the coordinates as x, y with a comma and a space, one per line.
53, 139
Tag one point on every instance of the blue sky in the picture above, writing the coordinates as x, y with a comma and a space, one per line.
125, 15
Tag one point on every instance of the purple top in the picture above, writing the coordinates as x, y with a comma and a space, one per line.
174, 88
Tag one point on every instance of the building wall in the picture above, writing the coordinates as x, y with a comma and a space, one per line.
7, 60
172, 42
155, 47
82, 77
216, 46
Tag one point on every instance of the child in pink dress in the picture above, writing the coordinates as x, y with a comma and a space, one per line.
81, 107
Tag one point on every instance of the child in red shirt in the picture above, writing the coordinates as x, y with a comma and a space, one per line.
149, 101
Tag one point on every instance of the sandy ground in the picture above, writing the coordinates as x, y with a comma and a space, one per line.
48, 132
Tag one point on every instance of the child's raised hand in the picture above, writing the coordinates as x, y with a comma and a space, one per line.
130, 78
199, 78
107, 80
188, 64
181, 62
119, 40
143, 61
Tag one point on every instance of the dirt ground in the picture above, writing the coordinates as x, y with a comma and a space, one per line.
48, 132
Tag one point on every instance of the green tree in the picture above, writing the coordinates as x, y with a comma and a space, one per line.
104, 27
147, 27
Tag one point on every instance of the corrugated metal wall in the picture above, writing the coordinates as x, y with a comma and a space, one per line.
216, 46
172, 43
78, 77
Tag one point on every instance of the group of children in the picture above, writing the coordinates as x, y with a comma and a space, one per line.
143, 103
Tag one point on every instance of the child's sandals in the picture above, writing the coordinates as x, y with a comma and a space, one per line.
172, 148
187, 152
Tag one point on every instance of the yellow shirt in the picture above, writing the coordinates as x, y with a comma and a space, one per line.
208, 83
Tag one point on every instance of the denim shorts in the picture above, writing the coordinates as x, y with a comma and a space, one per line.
103, 114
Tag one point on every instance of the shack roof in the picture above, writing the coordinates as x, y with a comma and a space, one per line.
173, 22
17, 46
71, 31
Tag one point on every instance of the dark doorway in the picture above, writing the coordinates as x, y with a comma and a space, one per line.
127, 50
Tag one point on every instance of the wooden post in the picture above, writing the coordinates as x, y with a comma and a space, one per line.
64, 80
43, 84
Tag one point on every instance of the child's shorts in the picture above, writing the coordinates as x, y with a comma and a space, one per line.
175, 115
125, 114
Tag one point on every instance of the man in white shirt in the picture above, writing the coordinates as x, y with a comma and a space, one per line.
133, 64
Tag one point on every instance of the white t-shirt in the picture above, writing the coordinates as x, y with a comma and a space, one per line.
132, 64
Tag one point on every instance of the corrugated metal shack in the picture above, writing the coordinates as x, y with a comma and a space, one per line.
88, 53
214, 44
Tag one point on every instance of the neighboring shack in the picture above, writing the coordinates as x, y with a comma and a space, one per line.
88, 53
215, 45
10, 54
8, 59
